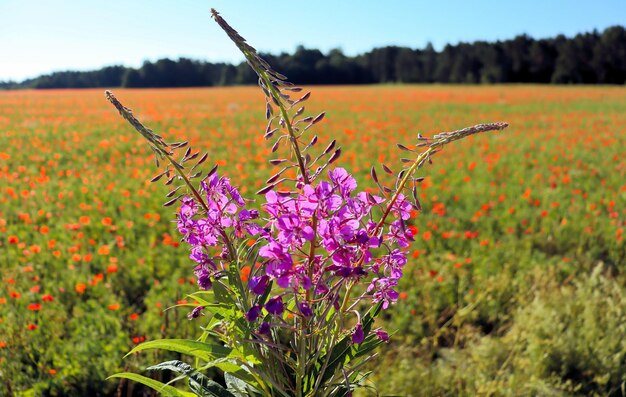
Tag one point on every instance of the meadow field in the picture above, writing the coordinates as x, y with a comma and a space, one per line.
517, 279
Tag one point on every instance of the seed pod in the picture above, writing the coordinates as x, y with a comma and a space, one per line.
265, 91
303, 98
269, 134
193, 156
275, 146
277, 161
275, 100
283, 83
274, 177
202, 160
269, 111
178, 145
276, 74
305, 120
329, 147
156, 178
261, 61
416, 203
335, 156
373, 173
402, 147
266, 189
318, 118
212, 171
173, 192
312, 143
387, 169
172, 201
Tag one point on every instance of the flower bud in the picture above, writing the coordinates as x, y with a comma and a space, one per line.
264, 329
253, 313
357, 334
382, 334
305, 309
275, 306
195, 313
258, 284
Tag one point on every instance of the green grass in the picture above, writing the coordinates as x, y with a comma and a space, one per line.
530, 301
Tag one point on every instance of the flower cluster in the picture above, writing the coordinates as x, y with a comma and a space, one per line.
312, 242
223, 211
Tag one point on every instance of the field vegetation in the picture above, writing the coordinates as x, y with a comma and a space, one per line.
517, 279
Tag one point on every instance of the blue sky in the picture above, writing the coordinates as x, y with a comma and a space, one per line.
40, 36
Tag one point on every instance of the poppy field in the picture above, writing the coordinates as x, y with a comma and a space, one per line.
516, 282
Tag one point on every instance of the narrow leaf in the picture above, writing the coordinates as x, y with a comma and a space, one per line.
166, 390
201, 350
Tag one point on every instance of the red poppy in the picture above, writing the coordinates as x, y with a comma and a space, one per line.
47, 298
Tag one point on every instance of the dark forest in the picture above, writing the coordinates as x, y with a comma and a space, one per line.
588, 58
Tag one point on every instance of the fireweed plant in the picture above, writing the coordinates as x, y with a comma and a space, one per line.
289, 292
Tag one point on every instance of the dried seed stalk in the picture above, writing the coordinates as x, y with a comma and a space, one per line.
161, 149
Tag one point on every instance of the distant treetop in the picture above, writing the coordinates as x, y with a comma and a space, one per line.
587, 58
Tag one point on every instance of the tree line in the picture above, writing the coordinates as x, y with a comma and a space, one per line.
587, 58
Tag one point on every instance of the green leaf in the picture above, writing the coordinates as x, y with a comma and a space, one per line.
201, 300
174, 366
370, 343
341, 391
222, 294
201, 350
343, 351
236, 385
198, 382
221, 310
209, 388
166, 390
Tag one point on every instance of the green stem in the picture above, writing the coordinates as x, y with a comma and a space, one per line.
194, 191
409, 174
292, 135
162, 149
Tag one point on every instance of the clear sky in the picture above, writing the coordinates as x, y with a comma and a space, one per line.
40, 36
